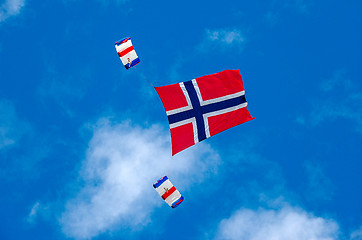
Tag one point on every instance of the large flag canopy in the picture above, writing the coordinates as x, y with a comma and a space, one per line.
203, 107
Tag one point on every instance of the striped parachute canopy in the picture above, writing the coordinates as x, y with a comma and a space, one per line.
126, 52
168, 192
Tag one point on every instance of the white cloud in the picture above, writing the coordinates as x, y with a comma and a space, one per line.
122, 163
36, 210
285, 223
222, 38
10, 8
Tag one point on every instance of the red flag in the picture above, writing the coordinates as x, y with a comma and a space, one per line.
203, 107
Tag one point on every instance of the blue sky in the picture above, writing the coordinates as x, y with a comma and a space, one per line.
82, 139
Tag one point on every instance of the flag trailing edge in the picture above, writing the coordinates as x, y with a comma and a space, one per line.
203, 107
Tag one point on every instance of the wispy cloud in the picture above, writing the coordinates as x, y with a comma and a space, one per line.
10, 8
222, 39
278, 9
11, 127
300, 5
272, 17
225, 36
284, 223
122, 163
339, 98
64, 88
357, 234
19, 159
104, 3
118, 2
319, 185
36, 210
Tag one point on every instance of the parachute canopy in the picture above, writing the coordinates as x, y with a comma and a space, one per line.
168, 192
203, 107
126, 52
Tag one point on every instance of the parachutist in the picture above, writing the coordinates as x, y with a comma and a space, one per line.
168, 192
126, 53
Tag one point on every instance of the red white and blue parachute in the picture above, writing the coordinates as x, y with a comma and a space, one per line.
168, 192
126, 52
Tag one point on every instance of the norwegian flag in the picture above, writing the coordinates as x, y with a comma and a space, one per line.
203, 107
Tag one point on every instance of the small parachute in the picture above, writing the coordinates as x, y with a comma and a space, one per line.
168, 192
126, 52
